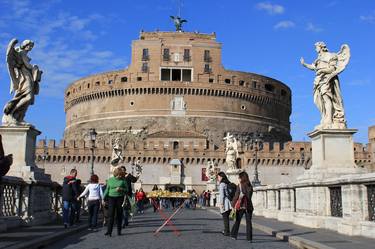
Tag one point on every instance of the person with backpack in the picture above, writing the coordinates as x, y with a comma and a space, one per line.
243, 205
70, 192
224, 202
95, 197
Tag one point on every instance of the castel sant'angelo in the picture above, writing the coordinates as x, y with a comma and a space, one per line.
177, 101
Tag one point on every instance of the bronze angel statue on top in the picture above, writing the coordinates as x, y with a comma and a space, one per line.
178, 22
327, 92
25, 79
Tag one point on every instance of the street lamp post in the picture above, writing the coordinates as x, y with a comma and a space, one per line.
92, 135
256, 143
45, 153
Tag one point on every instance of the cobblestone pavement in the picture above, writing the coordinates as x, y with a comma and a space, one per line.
199, 229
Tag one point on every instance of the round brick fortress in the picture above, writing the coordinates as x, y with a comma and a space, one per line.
176, 82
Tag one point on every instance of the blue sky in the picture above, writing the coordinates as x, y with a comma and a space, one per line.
78, 38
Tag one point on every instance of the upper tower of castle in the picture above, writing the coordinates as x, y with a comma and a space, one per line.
176, 56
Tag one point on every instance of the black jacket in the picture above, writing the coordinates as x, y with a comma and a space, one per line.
248, 192
70, 190
129, 180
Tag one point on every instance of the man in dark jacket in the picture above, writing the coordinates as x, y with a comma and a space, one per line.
70, 192
5, 160
129, 178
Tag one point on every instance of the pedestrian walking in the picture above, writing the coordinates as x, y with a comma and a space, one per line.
224, 202
70, 193
155, 202
127, 205
194, 199
115, 190
95, 196
78, 202
140, 199
243, 205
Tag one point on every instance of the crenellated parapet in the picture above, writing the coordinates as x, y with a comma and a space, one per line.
189, 152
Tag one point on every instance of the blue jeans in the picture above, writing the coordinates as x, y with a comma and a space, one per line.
140, 206
93, 207
69, 211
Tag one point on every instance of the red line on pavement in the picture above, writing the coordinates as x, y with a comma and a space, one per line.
165, 217
166, 222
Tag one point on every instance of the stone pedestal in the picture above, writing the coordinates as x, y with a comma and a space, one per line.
20, 141
332, 154
211, 186
233, 175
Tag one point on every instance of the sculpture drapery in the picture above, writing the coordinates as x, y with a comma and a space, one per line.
25, 79
327, 92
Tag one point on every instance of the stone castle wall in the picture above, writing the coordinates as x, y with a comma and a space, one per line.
211, 102
278, 163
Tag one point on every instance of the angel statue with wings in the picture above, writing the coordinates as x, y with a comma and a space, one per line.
231, 151
178, 22
25, 79
116, 152
327, 93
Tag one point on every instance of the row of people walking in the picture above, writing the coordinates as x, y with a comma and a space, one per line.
235, 201
115, 199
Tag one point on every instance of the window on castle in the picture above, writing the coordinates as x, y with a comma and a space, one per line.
283, 92
241, 82
166, 55
255, 84
207, 56
227, 81
144, 67
175, 145
207, 68
145, 54
110, 82
176, 74
186, 75
211, 80
124, 79
165, 74
139, 78
187, 55
269, 87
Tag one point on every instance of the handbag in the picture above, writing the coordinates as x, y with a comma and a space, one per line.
241, 202
233, 214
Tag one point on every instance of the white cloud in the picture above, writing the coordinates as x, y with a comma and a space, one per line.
64, 43
368, 18
272, 9
312, 28
284, 25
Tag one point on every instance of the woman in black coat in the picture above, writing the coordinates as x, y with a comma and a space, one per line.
243, 205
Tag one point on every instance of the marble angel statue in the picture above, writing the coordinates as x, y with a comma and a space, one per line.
327, 92
116, 152
25, 79
211, 171
231, 151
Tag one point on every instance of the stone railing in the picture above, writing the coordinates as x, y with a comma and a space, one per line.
28, 203
345, 204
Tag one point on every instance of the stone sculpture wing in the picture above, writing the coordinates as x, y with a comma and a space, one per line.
343, 58
14, 62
